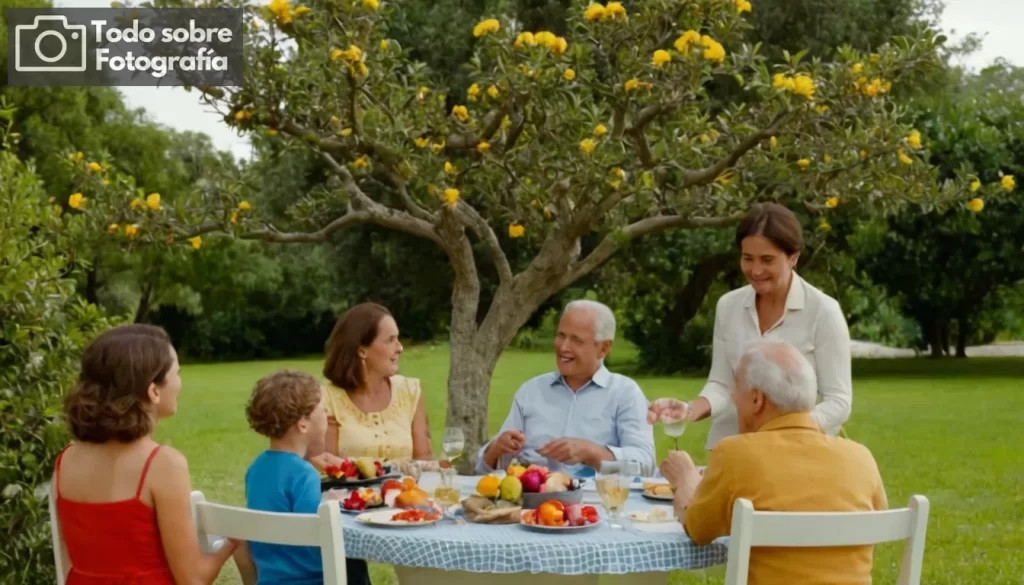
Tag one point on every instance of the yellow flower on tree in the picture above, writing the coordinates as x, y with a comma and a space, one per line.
857, 67
460, 112
560, 46
803, 163
660, 58
569, 75
773, 142
690, 38
451, 196
614, 10
153, 201
283, 10
196, 242
437, 147
743, 6
904, 158
244, 206
136, 204
600, 130
371, 4
821, 108
516, 230
95, 167
483, 147
301, 10
975, 185
824, 226
594, 12
383, 44
131, 230
423, 91
345, 132
587, 145
78, 156
490, 25
914, 140
76, 201
422, 142
832, 202
713, 50
361, 162
449, 168
803, 85
828, 158
545, 38
112, 229
473, 92
1008, 182
272, 131
976, 205
234, 217
631, 85
492, 91
525, 39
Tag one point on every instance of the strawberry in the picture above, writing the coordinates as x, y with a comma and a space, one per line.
354, 502
590, 514
380, 468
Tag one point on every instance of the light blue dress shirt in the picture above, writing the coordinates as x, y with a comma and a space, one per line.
609, 410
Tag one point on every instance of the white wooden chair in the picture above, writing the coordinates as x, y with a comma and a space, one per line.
827, 529
323, 529
60, 552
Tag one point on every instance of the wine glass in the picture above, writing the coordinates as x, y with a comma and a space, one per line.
453, 443
447, 492
674, 430
613, 481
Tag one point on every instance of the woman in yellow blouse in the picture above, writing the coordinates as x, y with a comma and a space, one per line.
371, 410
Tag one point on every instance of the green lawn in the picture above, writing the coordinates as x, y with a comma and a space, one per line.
951, 430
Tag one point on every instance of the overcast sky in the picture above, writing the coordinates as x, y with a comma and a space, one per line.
998, 20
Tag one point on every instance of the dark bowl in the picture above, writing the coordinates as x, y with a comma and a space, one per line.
532, 501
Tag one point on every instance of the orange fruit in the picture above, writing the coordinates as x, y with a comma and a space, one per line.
488, 486
412, 498
408, 483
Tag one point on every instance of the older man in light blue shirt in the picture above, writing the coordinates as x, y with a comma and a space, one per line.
580, 415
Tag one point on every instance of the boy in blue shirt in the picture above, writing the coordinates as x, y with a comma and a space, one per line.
287, 407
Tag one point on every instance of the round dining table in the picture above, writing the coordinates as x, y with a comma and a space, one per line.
455, 552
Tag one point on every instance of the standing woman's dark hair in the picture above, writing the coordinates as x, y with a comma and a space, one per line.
111, 399
357, 328
774, 222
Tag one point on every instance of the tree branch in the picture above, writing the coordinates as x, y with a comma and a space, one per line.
483, 230
649, 225
708, 174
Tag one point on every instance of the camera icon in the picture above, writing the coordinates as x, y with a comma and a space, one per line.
29, 54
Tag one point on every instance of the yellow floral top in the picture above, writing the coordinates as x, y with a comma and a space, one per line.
383, 435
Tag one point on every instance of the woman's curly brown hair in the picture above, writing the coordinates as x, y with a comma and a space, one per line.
281, 400
111, 399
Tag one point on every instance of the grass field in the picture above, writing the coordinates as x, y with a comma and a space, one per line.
951, 430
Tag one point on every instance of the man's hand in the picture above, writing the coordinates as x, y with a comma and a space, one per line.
507, 443
667, 410
680, 470
571, 451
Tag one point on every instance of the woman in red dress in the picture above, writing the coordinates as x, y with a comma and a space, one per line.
123, 499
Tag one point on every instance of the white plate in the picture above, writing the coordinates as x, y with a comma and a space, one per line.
644, 517
656, 498
383, 519
560, 529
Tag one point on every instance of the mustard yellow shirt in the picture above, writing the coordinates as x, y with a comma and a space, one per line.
789, 465
383, 435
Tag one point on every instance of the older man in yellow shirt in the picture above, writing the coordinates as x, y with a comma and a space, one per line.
781, 462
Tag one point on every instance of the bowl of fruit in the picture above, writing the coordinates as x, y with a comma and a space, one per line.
355, 472
554, 516
538, 485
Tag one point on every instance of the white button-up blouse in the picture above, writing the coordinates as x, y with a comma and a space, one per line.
812, 322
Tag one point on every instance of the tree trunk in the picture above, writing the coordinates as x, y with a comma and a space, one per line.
962, 331
688, 299
935, 331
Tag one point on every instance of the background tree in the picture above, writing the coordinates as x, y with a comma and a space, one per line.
978, 250
563, 150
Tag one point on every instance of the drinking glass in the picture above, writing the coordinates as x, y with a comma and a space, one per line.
447, 492
453, 443
412, 468
674, 430
613, 482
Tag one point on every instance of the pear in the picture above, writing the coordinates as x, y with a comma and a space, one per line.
511, 489
366, 468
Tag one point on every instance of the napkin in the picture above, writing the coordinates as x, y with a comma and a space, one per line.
484, 511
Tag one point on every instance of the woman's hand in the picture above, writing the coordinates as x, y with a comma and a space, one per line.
667, 410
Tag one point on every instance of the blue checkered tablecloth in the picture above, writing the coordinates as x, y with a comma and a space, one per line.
513, 549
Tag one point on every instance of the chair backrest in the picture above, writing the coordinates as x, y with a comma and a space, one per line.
323, 529
60, 552
827, 529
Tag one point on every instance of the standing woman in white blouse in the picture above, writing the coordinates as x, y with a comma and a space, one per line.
777, 305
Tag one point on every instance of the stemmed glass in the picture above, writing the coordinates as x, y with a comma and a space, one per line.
453, 443
447, 492
674, 430
613, 481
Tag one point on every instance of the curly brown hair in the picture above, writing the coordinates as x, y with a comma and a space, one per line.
281, 400
111, 401
356, 328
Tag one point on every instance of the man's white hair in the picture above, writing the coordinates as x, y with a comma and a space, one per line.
782, 373
604, 318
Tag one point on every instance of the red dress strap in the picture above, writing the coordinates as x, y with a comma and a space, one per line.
145, 470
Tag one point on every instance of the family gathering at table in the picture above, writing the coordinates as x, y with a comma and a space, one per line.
778, 393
